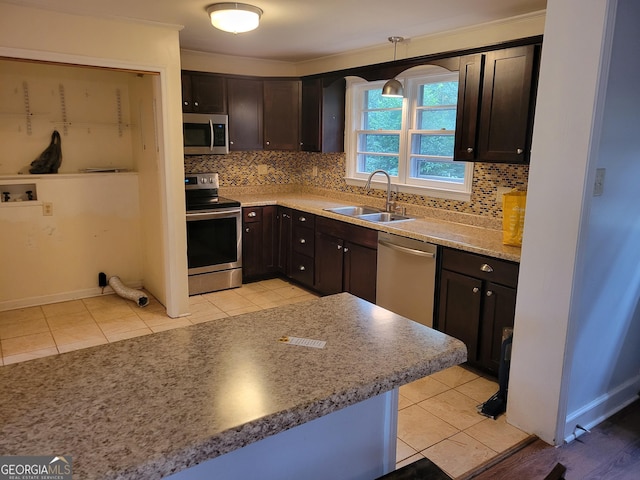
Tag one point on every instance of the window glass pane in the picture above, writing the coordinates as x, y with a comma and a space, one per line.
371, 142
437, 119
383, 120
434, 145
368, 163
440, 93
374, 99
431, 169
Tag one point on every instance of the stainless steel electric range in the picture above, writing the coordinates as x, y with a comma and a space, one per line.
214, 236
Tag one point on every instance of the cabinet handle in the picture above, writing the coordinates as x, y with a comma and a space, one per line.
486, 268
268, 143
286, 215
469, 150
339, 247
346, 250
186, 104
475, 290
231, 142
489, 293
303, 219
301, 268
519, 151
251, 214
246, 229
195, 104
302, 240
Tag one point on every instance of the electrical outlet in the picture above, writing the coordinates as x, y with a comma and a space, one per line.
262, 170
501, 191
47, 209
598, 186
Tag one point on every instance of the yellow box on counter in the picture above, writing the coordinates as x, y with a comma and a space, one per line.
513, 207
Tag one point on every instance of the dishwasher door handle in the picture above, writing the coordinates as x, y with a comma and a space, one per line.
410, 251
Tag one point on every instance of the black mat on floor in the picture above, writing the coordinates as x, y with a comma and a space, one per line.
423, 469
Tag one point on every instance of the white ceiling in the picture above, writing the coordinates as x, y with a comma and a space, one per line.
297, 30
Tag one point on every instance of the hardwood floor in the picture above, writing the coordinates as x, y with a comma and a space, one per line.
611, 451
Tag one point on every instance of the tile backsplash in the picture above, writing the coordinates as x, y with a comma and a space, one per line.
293, 171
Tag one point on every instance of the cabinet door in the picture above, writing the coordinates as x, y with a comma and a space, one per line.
252, 249
311, 115
471, 70
498, 312
282, 114
506, 115
269, 239
245, 114
209, 93
322, 116
360, 264
459, 309
284, 240
187, 94
329, 259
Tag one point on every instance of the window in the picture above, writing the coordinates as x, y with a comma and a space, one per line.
411, 138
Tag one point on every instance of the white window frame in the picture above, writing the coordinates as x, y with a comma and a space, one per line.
403, 182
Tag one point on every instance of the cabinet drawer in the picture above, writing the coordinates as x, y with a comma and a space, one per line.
250, 215
302, 268
303, 219
303, 240
479, 266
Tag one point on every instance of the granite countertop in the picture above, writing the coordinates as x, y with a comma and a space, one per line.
471, 238
151, 406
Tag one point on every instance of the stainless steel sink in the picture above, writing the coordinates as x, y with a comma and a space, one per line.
383, 217
353, 211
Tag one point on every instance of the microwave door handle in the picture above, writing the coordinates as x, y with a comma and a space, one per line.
211, 129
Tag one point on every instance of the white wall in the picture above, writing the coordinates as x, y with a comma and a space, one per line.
44, 35
569, 347
95, 227
604, 368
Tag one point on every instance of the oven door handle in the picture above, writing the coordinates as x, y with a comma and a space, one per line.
191, 217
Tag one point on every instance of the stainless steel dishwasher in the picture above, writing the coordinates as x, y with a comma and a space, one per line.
406, 277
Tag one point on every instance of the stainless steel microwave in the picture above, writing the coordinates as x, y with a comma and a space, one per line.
205, 133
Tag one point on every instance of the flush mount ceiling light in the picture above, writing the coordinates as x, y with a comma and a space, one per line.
234, 17
393, 88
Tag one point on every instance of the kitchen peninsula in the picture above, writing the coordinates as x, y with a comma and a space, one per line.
229, 397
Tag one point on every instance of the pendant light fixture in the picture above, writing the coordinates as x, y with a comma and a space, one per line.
393, 88
234, 17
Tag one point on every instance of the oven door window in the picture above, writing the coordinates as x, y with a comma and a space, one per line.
212, 242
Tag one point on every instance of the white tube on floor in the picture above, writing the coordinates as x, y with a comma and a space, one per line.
129, 293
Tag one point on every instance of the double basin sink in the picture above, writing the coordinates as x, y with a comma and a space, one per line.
369, 214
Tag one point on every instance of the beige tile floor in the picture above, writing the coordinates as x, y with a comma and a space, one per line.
437, 415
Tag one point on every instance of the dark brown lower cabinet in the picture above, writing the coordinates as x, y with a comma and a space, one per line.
345, 259
476, 302
259, 242
295, 251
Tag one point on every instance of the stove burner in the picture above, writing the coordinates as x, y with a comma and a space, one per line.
201, 193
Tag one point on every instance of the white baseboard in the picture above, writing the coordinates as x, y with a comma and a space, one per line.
60, 297
601, 408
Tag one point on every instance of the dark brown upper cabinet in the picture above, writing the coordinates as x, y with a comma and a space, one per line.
203, 93
245, 113
322, 116
496, 102
282, 100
